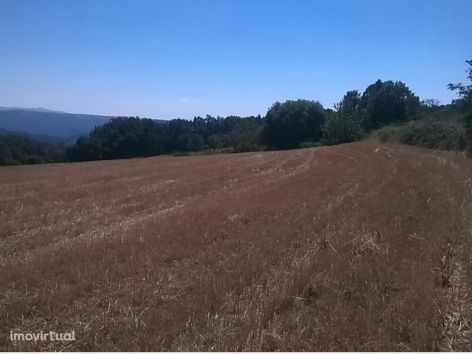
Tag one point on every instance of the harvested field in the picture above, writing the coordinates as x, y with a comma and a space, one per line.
356, 247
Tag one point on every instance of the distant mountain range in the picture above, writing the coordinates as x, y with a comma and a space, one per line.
45, 124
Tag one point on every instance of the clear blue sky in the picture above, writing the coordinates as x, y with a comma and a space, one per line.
168, 59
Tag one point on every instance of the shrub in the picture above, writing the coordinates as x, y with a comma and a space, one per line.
433, 134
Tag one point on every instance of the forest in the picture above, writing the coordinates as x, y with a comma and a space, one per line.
19, 150
387, 110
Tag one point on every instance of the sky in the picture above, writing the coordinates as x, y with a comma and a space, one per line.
183, 58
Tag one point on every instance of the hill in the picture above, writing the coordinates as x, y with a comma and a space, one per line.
361, 247
42, 122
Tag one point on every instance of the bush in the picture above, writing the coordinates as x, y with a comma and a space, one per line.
432, 134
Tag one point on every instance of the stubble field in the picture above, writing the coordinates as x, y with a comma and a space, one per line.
357, 247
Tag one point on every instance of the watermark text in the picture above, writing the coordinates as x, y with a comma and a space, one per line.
43, 336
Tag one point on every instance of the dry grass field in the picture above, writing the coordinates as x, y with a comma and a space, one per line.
356, 247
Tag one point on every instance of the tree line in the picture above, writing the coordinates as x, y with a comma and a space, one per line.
286, 125
18, 150
126, 137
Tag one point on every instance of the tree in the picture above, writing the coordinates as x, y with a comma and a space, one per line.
121, 137
5, 154
290, 123
214, 141
15, 149
176, 135
195, 143
126, 137
344, 125
431, 103
387, 102
245, 135
465, 102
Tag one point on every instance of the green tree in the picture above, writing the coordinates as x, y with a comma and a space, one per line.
214, 141
16, 149
245, 135
121, 137
344, 125
290, 123
387, 102
5, 154
195, 143
126, 137
465, 103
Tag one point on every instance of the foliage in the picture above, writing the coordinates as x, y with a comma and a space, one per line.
126, 137
16, 150
195, 143
214, 141
246, 135
387, 102
442, 130
119, 138
344, 125
291, 123
389, 106
465, 103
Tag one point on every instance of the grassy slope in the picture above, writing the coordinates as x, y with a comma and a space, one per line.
333, 248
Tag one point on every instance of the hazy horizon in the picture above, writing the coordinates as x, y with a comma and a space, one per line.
170, 59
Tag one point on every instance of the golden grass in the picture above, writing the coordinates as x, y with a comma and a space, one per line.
333, 248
